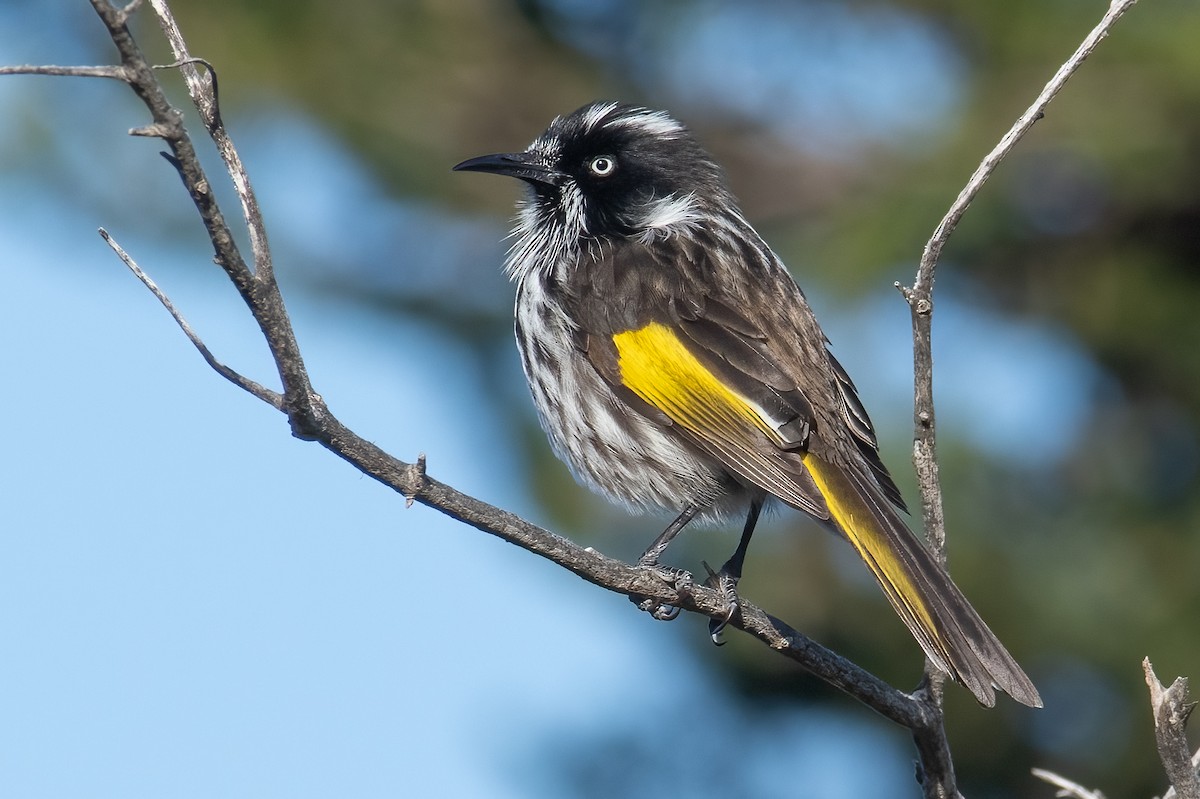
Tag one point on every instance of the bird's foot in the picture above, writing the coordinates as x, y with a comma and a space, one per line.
725, 582
677, 579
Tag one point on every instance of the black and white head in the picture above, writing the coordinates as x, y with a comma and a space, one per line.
606, 170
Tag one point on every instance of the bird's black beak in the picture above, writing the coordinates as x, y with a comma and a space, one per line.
524, 166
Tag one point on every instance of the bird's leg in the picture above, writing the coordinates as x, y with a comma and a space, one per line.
649, 559
659, 545
726, 580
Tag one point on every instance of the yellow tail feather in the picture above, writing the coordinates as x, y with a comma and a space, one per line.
927, 601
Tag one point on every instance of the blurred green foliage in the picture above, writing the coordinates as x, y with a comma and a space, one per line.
1083, 565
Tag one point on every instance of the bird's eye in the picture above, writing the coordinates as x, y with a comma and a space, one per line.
602, 165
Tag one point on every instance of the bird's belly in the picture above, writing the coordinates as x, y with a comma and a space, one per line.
610, 447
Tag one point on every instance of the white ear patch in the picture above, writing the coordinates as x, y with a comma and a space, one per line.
664, 216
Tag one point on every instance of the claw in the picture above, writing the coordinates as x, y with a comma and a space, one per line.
656, 609
665, 612
726, 583
678, 579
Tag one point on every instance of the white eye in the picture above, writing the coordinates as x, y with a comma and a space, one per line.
602, 165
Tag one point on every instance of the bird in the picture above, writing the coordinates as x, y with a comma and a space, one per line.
675, 364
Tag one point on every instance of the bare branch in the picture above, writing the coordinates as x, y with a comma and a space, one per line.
272, 398
1066, 788
257, 287
933, 249
305, 408
124, 13
920, 296
167, 123
920, 302
413, 483
212, 78
204, 96
935, 762
1171, 794
1172, 706
112, 72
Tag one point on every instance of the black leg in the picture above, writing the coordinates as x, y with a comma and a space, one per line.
727, 579
733, 566
659, 545
649, 559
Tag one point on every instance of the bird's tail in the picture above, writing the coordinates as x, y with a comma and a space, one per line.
953, 636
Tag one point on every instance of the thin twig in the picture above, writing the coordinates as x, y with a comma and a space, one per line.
920, 296
109, 71
1066, 788
1035, 112
205, 100
128, 10
212, 79
167, 123
272, 398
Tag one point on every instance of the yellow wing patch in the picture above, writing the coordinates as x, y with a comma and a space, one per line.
660, 369
657, 366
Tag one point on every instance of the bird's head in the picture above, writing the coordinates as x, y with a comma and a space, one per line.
612, 169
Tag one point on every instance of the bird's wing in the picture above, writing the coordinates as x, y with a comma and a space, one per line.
758, 392
754, 430
747, 379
